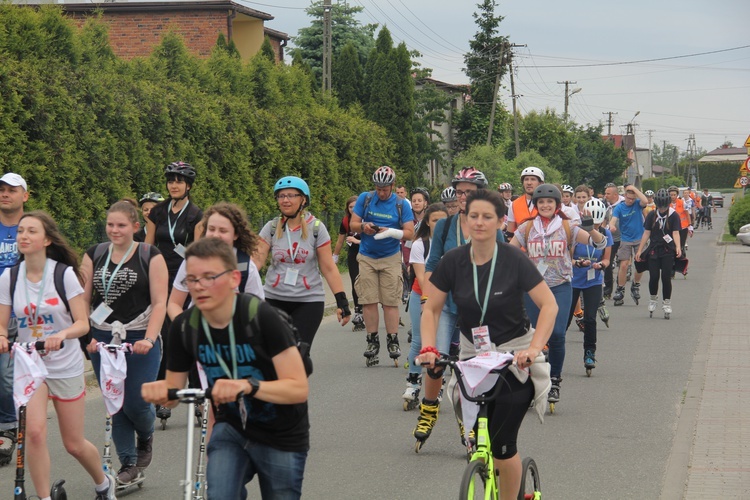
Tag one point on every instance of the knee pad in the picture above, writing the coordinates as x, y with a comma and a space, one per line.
435, 373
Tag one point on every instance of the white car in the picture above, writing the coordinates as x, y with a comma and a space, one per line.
743, 236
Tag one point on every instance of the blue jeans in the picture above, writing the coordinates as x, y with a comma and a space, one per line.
563, 295
136, 416
7, 407
415, 315
233, 461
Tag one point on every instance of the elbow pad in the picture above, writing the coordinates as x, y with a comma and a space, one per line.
599, 246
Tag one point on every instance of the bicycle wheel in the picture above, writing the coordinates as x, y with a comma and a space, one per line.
474, 483
531, 487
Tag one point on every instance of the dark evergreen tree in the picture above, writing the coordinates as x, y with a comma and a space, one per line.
267, 50
347, 76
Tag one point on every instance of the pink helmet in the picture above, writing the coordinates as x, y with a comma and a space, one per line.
470, 175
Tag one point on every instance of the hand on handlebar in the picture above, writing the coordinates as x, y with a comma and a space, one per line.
525, 357
426, 359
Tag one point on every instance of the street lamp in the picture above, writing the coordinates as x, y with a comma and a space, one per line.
633, 170
567, 97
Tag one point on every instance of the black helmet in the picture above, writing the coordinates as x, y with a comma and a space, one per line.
422, 191
547, 191
153, 197
182, 169
662, 198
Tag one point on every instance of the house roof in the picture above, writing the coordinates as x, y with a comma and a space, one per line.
275, 34
457, 87
725, 154
131, 6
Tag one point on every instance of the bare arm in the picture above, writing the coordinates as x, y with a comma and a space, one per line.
429, 323
613, 224
157, 285
545, 301
4, 318
176, 303
150, 232
339, 245
261, 253
332, 275
644, 239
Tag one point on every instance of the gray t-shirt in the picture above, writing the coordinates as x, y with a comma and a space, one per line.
302, 258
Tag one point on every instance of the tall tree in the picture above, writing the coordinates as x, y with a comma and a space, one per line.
391, 100
484, 63
347, 76
345, 28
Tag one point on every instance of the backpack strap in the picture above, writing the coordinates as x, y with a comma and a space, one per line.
59, 279
13, 280
368, 199
446, 227
243, 262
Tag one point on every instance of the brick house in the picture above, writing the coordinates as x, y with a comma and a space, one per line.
135, 28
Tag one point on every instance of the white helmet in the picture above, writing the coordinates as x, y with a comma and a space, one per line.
536, 172
596, 208
505, 186
649, 193
448, 194
566, 188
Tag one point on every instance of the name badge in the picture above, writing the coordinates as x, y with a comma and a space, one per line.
242, 266
481, 337
291, 277
667, 238
542, 268
591, 274
101, 313
180, 250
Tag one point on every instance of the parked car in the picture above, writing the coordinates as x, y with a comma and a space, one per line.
718, 198
743, 236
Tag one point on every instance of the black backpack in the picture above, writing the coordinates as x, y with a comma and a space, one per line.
247, 305
59, 279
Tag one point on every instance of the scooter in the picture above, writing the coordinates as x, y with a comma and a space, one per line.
125, 349
193, 489
57, 492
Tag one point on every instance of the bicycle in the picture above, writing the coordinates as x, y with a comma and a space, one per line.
479, 480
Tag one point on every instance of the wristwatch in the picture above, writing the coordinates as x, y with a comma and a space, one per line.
255, 384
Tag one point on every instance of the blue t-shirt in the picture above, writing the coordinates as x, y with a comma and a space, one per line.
8, 247
588, 252
383, 213
630, 220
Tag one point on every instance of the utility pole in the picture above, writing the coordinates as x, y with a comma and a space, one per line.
567, 96
514, 96
504, 49
327, 49
609, 121
650, 153
692, 174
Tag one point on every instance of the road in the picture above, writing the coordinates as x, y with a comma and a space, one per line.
610, 437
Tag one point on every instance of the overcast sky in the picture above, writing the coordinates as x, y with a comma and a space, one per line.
706, 95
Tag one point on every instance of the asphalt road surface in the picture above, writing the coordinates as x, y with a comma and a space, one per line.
609, 438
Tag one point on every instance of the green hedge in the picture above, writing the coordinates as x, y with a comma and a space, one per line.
718, 175
739, 214
86, 128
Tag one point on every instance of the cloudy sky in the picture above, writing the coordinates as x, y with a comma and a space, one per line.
601, 46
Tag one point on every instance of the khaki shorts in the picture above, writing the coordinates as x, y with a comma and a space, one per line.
380, 280
66, 389
627, 250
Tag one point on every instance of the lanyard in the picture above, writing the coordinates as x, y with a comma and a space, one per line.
232, 344
169, 221
489, 282
35, 315
292, 252
106, 285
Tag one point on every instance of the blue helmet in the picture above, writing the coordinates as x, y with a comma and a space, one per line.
291, 182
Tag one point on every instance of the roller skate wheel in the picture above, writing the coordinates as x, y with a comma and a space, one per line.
666, 316
588, 372
395, 362
552, 408
371, 361
418, 446
164, 424
651, 314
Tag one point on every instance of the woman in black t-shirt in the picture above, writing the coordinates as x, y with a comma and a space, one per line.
662, 234
126, 286
352, 240
171, 226
508, 274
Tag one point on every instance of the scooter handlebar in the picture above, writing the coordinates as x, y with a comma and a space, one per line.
188, 394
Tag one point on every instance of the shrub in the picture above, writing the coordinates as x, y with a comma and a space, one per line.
739, 215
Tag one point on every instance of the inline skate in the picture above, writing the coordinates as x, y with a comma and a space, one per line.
394, 351
428, 415
411, 394
373, 348
635, 292
358, 322
589, 361
667, 308
554, 393
652, 305
619, 295
603, 313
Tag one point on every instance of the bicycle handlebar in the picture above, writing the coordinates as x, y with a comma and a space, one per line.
482, 399
188, 394
127, 347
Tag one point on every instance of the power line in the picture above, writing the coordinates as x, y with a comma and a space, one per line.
640, 61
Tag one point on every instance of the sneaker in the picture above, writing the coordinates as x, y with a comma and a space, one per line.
109, 493
7, 445
144, 452
127, 474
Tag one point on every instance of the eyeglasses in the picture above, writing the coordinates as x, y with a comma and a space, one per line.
289, 196
205, 281
460, 193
